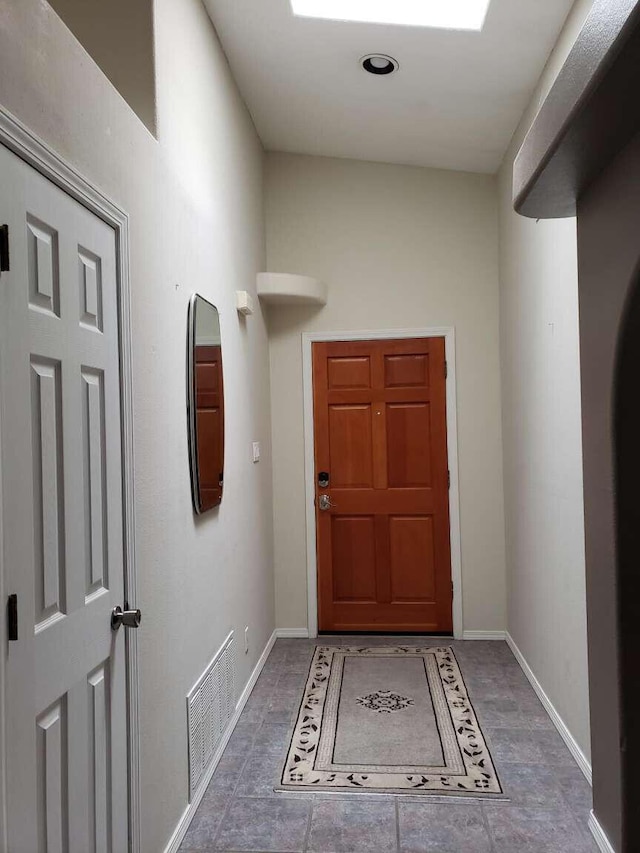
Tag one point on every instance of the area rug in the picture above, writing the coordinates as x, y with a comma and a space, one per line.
388, 719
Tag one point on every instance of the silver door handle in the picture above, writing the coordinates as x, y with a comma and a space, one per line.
324, 503
128, 618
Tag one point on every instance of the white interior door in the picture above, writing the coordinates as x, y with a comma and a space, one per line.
62, 522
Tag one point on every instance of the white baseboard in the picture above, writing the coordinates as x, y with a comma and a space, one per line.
579, 756
599, 834
484, 635
295, 633
189, 812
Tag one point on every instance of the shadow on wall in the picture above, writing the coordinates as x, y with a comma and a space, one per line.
626, 417
291, 317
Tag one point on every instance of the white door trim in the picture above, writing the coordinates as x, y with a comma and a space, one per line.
19, 139
308, 338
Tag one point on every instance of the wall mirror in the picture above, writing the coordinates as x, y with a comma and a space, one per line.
205, 404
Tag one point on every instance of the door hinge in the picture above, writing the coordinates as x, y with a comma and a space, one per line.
446, 369
4, 248
12, 618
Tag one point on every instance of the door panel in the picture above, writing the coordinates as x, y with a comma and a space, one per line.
99, 757
380, 431
412, 558
349, 372
405, 371
48, 509
350, 442
44, 273
52, 731
354, 547
95, 497
62, 522
408, 445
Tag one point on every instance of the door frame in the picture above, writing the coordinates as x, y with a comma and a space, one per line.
308, 339
15, 136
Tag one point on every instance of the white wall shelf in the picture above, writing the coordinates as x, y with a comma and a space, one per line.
279, 288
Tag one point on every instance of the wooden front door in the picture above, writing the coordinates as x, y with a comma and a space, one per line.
384, 561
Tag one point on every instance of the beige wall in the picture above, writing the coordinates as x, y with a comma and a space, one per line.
119, 36
542, 435
400, 247
195, 203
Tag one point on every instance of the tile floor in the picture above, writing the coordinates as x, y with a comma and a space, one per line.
549, 797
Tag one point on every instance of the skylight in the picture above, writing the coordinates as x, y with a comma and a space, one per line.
441, 14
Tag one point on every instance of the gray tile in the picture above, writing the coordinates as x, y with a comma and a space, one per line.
258, 702
241, 741
227, 773
300, 658
503, 653
298, 664
299, 650
514, 746
522, 691
485, 669
530, 784
350, 826
575, 790
504, 713
520, 746
269, 678
248, 724
287, 699
290, 681
517, 680
273, 738
281, 716
535, 830
533, 710
294, 643
203, 829
299, 670
484, 651
260, 775
553, 748
274, 824
451, 828
487, 688
254, 711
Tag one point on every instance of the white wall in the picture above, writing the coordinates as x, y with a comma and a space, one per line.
195, 202
400, 247
542, 435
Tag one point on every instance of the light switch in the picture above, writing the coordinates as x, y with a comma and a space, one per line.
256, 451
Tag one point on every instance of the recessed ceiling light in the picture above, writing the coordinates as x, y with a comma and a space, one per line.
441, 14
378, 63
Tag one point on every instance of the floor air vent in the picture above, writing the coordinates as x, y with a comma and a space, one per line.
210, 705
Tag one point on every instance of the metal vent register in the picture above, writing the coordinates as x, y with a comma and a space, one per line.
211, 703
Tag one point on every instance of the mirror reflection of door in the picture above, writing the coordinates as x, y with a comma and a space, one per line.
207, 405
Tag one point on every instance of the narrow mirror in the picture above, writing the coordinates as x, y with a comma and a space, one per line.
205, 404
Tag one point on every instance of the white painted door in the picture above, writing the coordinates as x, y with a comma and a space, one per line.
62, 522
